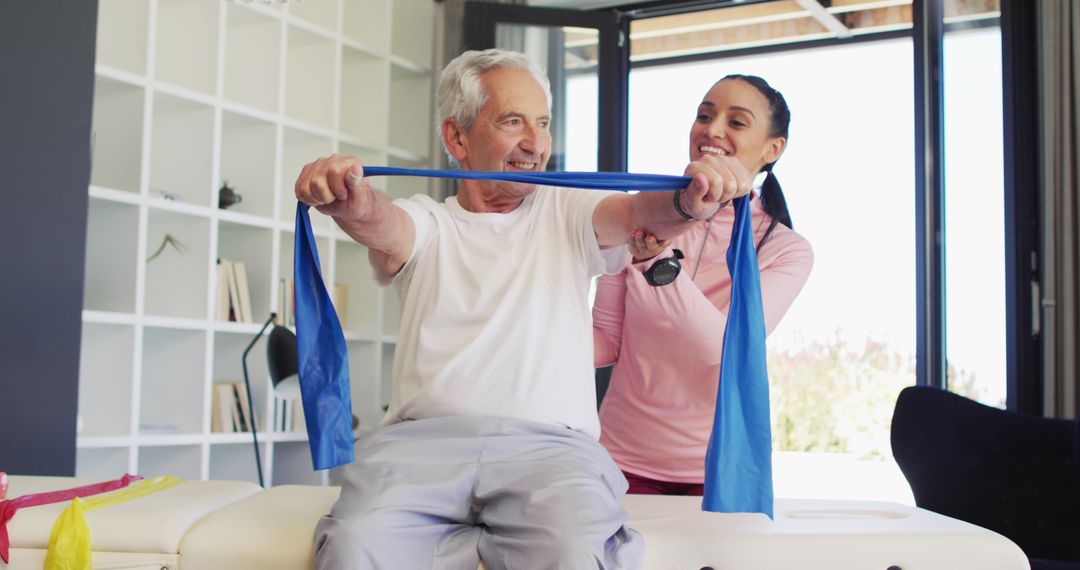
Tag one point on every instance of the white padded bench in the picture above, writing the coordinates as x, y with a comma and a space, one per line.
142, 533
273, 531
213, 525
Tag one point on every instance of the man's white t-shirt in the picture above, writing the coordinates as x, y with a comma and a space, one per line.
495, 311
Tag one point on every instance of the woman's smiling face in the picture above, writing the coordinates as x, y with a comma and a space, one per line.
734, 119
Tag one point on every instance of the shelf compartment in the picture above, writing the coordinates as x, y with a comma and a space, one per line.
298, 149
228, 350
111, 256
406, 186
247, 159
172, 381
366, 155
309, 86
176, 283
252, 246
368, 22
410, 110
236, 461
105, 379
322, 13
116, 135
252, 54
187, 36
364, 382
181, 150
121, 34
105, 463
183, 461
353, 270
292, 465
418, 18
364, 96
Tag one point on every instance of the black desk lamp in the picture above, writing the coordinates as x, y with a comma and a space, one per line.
282, 361
251, 405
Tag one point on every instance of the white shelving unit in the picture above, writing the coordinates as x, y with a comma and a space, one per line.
191, 94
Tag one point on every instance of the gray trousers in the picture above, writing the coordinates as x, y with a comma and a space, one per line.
445, 493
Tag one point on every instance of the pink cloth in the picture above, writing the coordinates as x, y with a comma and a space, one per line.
666, 343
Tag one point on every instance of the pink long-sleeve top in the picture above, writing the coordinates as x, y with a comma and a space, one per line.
666, 341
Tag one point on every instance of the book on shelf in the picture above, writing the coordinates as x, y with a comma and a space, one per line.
222, 312
285, 303
243, 291
230, 412
233, 295
247, 418
234, 292
298, 422
286, 412
158, 429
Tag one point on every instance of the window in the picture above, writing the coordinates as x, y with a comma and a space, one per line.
847, 346
974, 214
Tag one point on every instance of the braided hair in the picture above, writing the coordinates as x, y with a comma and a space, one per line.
772, 197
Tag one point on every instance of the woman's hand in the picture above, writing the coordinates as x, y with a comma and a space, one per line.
645, 247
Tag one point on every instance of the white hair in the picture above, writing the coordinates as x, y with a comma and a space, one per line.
461, 94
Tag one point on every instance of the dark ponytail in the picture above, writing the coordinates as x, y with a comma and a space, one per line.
774, 204
772, 197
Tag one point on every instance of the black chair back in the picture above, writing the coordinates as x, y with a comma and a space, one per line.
1012, 473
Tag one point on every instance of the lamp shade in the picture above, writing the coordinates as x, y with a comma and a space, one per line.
281, 359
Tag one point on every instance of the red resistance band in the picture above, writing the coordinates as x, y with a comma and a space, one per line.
9, 506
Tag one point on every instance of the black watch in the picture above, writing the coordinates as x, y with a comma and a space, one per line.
664, 271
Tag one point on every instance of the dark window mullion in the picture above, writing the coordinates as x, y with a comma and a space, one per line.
1024, 372
929, 194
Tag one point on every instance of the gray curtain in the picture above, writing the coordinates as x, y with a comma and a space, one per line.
449, 43
1059, 38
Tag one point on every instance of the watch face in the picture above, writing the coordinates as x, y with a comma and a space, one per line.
666, 272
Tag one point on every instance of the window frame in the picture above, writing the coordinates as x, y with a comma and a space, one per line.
1021, 161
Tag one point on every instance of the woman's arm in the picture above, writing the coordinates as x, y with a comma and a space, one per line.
608, 312
701, 323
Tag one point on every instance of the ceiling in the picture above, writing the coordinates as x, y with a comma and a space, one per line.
733, 25
576, 4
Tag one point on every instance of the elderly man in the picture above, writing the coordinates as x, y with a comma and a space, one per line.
489, 449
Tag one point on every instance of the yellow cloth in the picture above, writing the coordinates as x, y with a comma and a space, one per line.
69, 542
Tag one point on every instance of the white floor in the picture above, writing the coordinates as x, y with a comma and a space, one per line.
838, 476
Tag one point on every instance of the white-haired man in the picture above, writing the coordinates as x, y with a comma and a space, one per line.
489, 449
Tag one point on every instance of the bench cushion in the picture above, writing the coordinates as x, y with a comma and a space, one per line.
155, 523
840, 535
274, 530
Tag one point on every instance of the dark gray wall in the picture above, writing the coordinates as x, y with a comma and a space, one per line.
46, 97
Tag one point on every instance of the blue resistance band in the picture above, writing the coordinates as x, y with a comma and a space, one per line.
738, 463
322, 356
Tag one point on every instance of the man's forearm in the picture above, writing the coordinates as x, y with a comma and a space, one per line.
377, 228
655, 213
386, 230
652, 212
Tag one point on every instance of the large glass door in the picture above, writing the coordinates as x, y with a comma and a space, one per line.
974, 203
